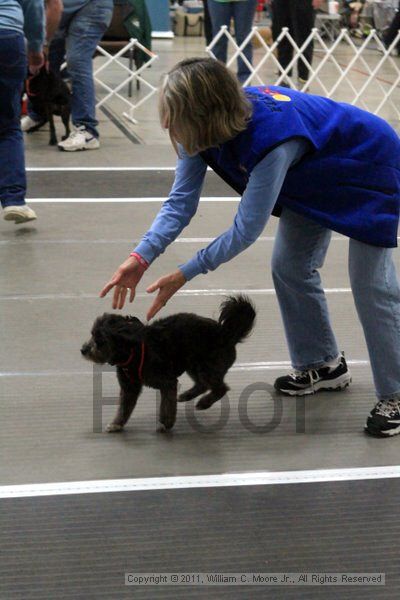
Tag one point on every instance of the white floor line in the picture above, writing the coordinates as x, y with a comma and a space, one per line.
274, 366
202, 292
198, 481
260, 291
187, 240
77, 169
251, 366
181, 240
122, 200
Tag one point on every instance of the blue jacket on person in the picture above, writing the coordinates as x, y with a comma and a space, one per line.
348, 181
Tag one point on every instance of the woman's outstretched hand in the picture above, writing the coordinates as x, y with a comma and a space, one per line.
124, 280
166, 286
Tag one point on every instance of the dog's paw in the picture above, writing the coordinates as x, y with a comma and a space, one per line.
185, 397
204, 403
53, 143
163, 428
114, 428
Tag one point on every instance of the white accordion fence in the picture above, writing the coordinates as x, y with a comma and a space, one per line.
128, 76
362, 72
366, 75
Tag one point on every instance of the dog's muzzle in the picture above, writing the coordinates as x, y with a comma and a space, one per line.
85, 350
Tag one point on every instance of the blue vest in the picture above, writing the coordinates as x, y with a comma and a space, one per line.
349, 181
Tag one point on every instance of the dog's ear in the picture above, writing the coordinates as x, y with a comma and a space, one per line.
118, 329
102, 323
125, 330
131, 329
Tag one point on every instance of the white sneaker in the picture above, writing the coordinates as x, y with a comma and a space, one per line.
28, 124
19, 214
79, 139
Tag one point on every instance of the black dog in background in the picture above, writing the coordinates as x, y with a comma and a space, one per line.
156, 355
49, 95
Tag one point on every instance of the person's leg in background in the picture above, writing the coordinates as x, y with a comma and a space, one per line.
13, 68
376, 294
302, 22
281, 17
85, 30
33, 121
243, 14
221, 14
392, 31
57, 49
300, 248
207, 24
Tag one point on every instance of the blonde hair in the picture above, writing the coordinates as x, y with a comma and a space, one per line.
202, 105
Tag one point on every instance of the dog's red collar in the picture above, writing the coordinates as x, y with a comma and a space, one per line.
125, 365
128, 362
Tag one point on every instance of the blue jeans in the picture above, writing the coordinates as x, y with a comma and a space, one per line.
242, 13
76, 40
300, 249
13, 68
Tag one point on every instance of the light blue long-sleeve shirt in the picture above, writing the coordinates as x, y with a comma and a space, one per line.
26, 17
254, 210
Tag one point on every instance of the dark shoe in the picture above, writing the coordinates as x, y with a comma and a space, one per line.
384, 419
300, 383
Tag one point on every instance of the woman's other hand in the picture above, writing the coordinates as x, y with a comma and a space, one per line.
167, 286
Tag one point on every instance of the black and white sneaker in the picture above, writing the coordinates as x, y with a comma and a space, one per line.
79, 139
300, 383
384, 419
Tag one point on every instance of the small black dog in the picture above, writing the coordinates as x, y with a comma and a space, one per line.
156, 355
49, 95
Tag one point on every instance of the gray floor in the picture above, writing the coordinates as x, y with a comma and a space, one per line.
66, 258
113, 184
80, 547
51, 273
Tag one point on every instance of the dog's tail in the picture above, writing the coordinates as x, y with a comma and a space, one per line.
237, 318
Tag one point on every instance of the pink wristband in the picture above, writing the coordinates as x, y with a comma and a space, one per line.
140, 260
